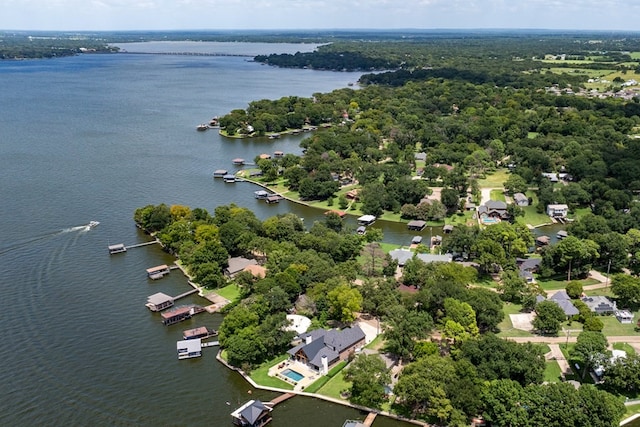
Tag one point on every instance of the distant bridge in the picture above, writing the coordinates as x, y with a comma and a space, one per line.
188, 54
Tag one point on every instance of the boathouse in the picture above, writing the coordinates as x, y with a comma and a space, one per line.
229, 178
416, 225
220, 173
189, 348
198, 333
261, 194
179, 314
278, 154
254, 413
366, 219
416, 240
273, 198
159, 302
158, 272
116, 249
361, 230
238, 162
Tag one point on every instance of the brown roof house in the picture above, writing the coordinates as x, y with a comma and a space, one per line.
321, 349
494, 209
237, 264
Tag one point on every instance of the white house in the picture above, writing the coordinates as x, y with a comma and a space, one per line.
557, 211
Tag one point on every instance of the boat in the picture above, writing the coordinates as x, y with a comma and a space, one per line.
214, 123
202, 127
92, 224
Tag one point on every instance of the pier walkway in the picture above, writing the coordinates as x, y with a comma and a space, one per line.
280, 399
139, 245
369, 420
210, 344
192, 291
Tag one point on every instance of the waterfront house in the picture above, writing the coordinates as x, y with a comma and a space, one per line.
237, 264
404, 255
493, 209
254, 413
321, 349
159, 302
189, 348
520, 199
557, 210
116, 249
416, 225
158, 272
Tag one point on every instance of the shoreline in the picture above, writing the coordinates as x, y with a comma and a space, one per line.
319, 396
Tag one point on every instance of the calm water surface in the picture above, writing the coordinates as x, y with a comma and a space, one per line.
92, 138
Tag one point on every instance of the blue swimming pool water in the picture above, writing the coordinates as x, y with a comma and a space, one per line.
296, 376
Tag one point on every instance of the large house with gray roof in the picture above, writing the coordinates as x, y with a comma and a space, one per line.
321, 349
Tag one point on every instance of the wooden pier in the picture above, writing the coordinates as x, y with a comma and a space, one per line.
369, 420
121, 247
210, 344
280, 399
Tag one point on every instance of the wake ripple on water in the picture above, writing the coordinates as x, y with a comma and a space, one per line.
32, 240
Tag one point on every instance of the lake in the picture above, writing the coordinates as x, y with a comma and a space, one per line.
94, 137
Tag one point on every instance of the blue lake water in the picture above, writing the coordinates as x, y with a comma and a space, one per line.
92, 138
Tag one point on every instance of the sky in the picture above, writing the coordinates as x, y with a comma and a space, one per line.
111, 15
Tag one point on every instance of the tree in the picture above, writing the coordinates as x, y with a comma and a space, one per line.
627, 289
503, 404
549, 315
450, 199
622, 376
591, 349
574, 289
368, 375
459, 321
344, 301
515, 184
404, 328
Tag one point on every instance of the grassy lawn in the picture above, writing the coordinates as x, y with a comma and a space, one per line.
552, 372
230, 292
612, 327
335, 386
556, 283
495, 179
624, 347
506, 327
498, 195
531, 216
376, 344
465, 218
260, 374
485, 281
631, 410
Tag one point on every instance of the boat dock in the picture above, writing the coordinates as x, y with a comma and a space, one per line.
160, 301
121, 247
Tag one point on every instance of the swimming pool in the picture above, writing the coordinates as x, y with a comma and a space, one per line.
290, 373
490, 220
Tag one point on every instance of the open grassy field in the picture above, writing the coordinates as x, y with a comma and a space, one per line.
335, 386
495, 179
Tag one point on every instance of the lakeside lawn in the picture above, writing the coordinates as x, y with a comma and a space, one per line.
261, 376
230, 292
